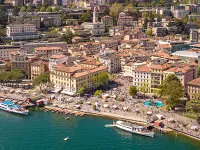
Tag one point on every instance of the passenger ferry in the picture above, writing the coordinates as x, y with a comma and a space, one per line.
11, 107
133, 128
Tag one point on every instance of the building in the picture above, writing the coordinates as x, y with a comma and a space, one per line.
3, 66
37, 68
193, 89
49, 19
20, 61
5, 51
187, 54
96, 28
107, 21
112, 61
71, 79
159, 31
142, 77
47, 51
183, 72
194, 35
22, 31
124, 20
56, 59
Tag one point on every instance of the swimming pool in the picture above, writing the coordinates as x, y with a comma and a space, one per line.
153, 103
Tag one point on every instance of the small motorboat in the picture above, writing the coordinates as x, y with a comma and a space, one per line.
67, 138
67, 118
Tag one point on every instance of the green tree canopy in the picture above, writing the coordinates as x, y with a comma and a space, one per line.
84, 17
29, 9
149, 32
56, 9
15, 74
193, 106
16, 10
115, 9
100, 79
43, 9
132, 91
49, 9
171, 91
81, 91
42, 79
68, 36
23, 9
98, 92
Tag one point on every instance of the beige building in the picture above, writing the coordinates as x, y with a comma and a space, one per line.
75, 77
38, 68
22, 62
193, 88
47, 51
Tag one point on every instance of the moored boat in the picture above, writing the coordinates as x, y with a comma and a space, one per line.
133, 128
11, 107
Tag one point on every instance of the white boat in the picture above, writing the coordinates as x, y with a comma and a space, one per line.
11, 107
67, 138
133, 128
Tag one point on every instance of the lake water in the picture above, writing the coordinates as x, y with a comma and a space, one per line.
46, 131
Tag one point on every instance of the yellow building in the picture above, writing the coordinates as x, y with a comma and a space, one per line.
71, 79
193, 89
37, 68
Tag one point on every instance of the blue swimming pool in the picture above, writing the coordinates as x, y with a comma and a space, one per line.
153, 103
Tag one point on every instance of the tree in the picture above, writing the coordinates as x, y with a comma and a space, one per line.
193, 106
68, 36
3, 15
81, 91
73, 6
37, 10
56, 9
171, 91
23, 9
29, 9
100, 79
16, 10
149, 32
83, 18
132, 91
144, 87
115, 9
98, 92
130, 9
49, 9
43, 9
42, 79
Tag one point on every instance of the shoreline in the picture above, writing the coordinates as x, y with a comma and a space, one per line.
125, 118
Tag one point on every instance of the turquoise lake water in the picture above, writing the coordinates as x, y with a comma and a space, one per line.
46, 131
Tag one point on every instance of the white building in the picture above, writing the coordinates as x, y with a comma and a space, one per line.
97, 28
187, 54
20, 30
55, 59
142, 76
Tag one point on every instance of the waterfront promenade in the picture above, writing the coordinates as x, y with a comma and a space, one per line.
136, 111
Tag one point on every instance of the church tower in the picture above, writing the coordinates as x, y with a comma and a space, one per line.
95, 16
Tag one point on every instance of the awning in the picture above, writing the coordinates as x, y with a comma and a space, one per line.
67, 92
160, 116
105, 106
149, 112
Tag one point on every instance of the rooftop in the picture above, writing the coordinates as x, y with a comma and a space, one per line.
47, 48
195, 82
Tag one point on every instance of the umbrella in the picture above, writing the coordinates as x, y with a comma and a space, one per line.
96, 103
170, 120
77, 106
149, 112
34, 93
194, 128
125, 108
137, 109
89, 103
114, 106
105, 106
160, 116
